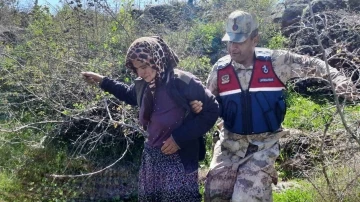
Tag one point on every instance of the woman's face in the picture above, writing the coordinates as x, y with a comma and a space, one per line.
144, 71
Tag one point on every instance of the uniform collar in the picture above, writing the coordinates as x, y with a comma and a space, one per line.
240, 66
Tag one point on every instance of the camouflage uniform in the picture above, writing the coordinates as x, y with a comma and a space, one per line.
242, 168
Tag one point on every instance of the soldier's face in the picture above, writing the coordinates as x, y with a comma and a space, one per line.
243, 52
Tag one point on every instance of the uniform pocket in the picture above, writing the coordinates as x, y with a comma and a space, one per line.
271, 171
219, 184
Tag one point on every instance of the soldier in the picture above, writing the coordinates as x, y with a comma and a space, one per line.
249, 85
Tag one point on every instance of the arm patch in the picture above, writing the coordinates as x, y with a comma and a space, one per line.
223, 62
263, 54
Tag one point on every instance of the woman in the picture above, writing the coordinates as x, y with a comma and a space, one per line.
174, 142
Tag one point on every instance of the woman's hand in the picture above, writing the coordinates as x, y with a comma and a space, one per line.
169, 146
92, 78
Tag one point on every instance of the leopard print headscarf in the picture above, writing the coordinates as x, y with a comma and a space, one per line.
154, 52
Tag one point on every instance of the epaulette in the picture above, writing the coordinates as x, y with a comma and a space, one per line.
263, 53
223, 62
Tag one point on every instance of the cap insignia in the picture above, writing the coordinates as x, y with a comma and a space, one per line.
235, 26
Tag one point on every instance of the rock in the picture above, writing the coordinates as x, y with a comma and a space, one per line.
354, 5
324, 5
155, 15
170, 16
277, 12
136, 13
291, 11
162, 13
337, 35
292, 15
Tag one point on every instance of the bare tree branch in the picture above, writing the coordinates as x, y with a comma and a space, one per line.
322, 156
98, 171
31, 125
336, 98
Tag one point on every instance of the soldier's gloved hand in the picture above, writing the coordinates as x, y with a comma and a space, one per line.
220, 125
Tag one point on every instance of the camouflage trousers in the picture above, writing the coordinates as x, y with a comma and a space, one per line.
241, 179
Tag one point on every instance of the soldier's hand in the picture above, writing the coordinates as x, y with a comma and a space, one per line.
220, 125
92, 78
348, 91
196, 106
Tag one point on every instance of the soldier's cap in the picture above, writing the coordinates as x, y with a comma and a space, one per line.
239, 26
